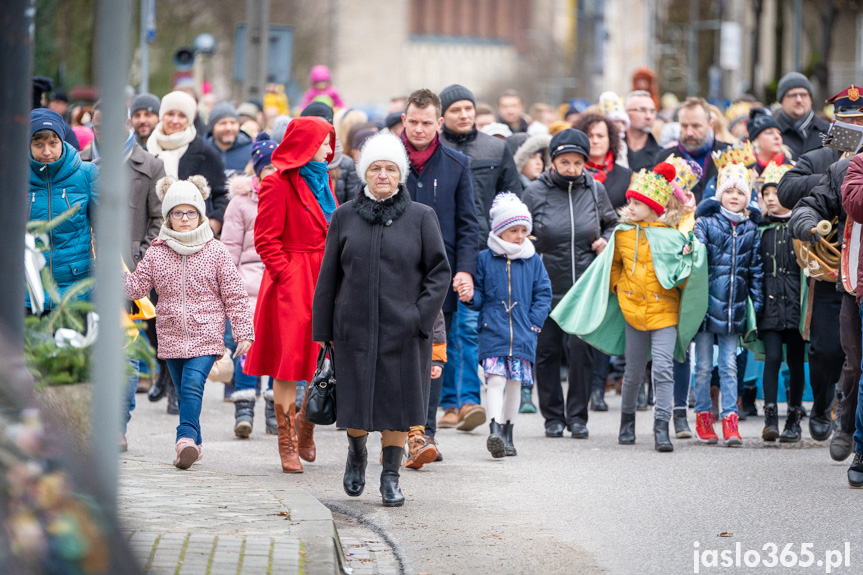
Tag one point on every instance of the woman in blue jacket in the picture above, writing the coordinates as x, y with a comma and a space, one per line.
512, 293
59, 181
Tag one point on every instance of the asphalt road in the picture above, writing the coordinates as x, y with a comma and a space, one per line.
565, 505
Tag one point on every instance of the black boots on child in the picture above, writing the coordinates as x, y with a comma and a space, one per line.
494, 443
771, 423
355, 468
391, 459
507, 439
681, 426
661, 439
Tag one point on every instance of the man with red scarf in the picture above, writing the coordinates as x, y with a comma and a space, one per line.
440, 178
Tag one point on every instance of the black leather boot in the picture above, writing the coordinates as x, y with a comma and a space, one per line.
771, 423
627, 429
495, 443
641, 402
841, 445
160, 384
855, 472
244, 415
681, 426
507, 439
662, 442
355, 468
791, 433
390, 492
821, 426
173, 402
748, 403
597, 401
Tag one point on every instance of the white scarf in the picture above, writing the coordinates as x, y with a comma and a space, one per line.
187, 243
170, 148
510, 250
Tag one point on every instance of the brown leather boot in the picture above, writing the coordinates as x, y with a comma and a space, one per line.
305, 434
287, 440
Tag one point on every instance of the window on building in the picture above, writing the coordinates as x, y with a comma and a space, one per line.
493, 20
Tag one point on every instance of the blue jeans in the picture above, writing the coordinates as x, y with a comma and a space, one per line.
241, 380
858, 419
131, 390
727, 371
189, 375
461, 382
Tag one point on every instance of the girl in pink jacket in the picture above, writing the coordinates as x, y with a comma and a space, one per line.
198, 285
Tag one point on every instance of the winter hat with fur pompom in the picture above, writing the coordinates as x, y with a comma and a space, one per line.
174, 192
383, 146
508, 211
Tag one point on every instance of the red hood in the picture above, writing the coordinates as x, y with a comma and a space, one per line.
302, 139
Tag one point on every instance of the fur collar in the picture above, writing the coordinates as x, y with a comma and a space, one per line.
386, 211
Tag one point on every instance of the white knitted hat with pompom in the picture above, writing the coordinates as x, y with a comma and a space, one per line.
508, 211
174, 192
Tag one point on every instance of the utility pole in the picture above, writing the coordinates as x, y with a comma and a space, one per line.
16, 45
257, 48
148, 28
113, 17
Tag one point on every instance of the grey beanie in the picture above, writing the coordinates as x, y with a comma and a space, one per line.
147, 102
221, 111
452, 94
790, 81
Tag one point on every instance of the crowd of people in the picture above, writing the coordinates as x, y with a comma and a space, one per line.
450, 245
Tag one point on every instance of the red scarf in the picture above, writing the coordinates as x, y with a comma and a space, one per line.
418, 158
778, 159
600, 171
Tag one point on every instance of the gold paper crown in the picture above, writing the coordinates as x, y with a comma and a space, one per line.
613, 107
773, 173
743, 154
737, 111
685, 178
733, 176
652, 188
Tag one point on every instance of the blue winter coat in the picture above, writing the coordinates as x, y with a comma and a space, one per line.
734, 267
511, 296
54, 189
445, 186
240, 154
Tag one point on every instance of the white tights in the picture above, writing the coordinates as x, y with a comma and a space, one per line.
503, 397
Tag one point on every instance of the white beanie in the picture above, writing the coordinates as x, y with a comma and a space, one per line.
508, 211
179, 101
387, 147
735, 176
174, 192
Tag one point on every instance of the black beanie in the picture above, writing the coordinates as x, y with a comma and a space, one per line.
759, 120
452, 94
569, 140
320, 110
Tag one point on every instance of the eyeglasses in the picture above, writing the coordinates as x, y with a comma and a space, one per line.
803, 95
642, 110
177, 216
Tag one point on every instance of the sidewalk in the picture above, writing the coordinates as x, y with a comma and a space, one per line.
205, 523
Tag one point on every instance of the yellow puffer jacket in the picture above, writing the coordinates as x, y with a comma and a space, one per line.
645, 304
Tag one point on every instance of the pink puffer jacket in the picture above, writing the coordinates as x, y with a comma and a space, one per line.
195, 293
238, 233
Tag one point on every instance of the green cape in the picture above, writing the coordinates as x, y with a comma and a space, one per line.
590, 309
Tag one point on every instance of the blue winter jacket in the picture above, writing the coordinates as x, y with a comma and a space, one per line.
511, 296
240, 154
734, 264
54, 189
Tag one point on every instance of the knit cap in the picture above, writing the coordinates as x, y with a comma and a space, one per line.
249, 110
654, 188
219, 112
452, 94
387, 147
497, 129
733, 176
320, 110
760, 120
45, 119
319, 73
789, 82
145, 101
181, 101
262, 152
173, 192
508, 211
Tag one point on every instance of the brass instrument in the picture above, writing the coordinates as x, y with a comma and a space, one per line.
821, 261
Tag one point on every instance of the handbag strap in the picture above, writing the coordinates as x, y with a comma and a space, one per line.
328, 348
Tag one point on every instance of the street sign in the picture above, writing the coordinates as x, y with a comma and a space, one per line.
150, 28
281, 54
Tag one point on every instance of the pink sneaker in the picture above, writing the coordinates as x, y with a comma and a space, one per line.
200, 451
187, 453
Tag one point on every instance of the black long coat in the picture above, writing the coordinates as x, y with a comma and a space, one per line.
382, 283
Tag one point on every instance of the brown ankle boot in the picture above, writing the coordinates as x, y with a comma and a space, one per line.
287, 440
305, 434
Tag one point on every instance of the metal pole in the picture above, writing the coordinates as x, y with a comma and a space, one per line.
145, 49
257, 48
16, 45
108, 375
798, 28
694, 26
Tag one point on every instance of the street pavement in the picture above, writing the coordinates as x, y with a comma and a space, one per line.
560, 506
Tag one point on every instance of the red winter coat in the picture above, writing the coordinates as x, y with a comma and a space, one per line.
290, 235
852, 202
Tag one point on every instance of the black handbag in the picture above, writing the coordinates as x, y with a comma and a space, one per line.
321, 403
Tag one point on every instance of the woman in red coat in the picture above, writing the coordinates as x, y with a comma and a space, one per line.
294, 209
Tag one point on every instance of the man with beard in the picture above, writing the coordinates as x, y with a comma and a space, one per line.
697, 141
801, 128
145, 116
234, 146
640, 143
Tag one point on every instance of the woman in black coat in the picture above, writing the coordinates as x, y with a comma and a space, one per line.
572, 221
383, 281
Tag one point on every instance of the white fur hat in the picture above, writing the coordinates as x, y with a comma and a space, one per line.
383, 146
508, 211
179, 101
174, 192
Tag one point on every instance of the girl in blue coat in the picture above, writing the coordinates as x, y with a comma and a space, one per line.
59, 180
727, 225
512, 293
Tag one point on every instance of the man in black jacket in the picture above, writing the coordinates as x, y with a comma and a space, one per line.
440, 178
801, 128
640, 143
492, 170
